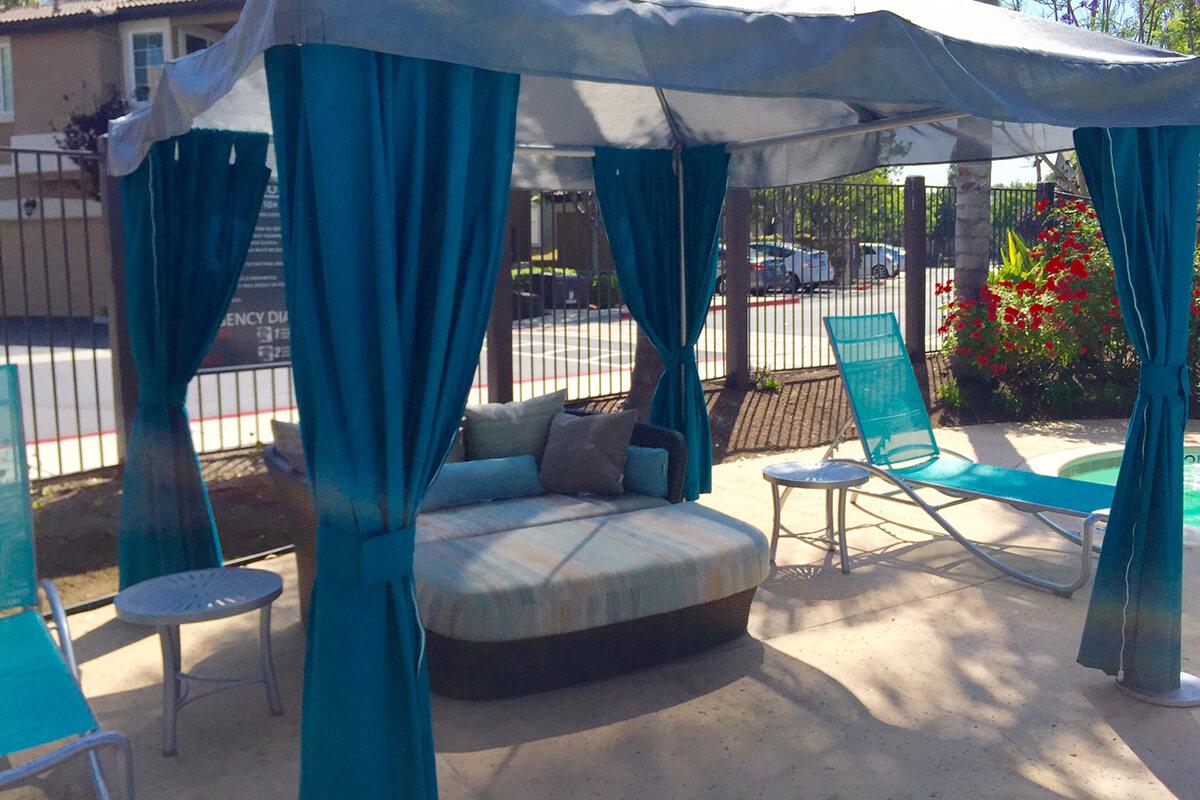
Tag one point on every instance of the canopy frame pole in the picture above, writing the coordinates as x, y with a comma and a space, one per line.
677, 163
880, 125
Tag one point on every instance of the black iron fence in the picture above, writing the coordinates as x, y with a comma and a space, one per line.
55, 290
815, 250
571, 329
838, 249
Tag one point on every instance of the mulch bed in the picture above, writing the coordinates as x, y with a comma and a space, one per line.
75, 522
805, 412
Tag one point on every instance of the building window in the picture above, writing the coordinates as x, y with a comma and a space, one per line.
6, 81
194, 38
148, 50
193, 43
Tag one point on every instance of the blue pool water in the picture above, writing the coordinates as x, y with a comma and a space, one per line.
1103, 468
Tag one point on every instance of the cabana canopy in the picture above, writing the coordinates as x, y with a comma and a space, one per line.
394, 161
798, 91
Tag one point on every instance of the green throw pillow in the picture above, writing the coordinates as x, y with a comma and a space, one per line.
500, 430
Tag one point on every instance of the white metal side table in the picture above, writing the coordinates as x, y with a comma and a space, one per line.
201, 596
828, 475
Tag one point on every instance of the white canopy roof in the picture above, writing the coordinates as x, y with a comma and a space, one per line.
799, 90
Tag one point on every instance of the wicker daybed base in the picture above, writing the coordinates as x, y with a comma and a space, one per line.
494, 670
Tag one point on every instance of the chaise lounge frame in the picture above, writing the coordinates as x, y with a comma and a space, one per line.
905, 488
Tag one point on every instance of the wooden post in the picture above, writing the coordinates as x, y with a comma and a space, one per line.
916, 259
124, 372
499, 333
737, 288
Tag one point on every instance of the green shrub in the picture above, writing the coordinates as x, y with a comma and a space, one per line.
1005, 402
950, 395
522, 275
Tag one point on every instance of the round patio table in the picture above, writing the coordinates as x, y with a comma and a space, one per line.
202, 595
832, 476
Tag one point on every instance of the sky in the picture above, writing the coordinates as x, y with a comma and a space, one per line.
1004, 172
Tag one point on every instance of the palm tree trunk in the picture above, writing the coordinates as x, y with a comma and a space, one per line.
972, 240
972, 227
647, 369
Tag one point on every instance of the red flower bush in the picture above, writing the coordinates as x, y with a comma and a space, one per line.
1045, 331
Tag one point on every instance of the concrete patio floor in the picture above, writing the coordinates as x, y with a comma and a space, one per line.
922, 674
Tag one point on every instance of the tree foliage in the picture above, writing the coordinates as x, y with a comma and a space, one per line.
1173, 24
84, 128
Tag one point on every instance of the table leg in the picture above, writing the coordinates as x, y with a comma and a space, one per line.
778, 505
830, 533
842, 532
268, 662
169, 639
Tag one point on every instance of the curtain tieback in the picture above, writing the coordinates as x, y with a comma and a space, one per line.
162, 393
680, 355
378, 559
1164, 380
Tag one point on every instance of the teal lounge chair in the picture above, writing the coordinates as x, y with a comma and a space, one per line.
40, 699
897, 437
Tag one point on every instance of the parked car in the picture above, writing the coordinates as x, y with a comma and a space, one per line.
881, 260
782, 268
804, 269
766, 274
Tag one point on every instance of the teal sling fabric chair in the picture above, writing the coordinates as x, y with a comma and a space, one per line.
897, 438
40, 698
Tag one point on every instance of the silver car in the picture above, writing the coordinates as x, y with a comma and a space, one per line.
804, 269
766, 274
881, 260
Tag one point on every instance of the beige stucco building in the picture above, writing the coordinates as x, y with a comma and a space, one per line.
56, 59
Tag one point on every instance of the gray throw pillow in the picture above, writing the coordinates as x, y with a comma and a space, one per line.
500, 430
289, 444
586, 455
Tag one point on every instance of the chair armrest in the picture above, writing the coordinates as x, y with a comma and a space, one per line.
61, 628
293, 487
89, 743
278, 465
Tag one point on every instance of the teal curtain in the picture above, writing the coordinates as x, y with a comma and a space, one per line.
189, 213
394, 180
638, 192
1143, 186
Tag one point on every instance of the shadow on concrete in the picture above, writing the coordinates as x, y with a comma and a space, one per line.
1153, 733
109, 638
468, 726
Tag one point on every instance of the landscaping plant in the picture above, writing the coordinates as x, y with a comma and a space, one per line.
1046, 333
763, 380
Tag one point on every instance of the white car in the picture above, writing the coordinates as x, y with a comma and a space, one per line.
803, 269
881, 260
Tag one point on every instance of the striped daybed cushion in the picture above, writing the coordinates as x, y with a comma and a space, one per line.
479, 519
582, 574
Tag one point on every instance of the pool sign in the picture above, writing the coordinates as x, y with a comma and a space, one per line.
255, 330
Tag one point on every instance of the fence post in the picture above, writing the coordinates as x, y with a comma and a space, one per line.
915, 262
499, 332
737, 288
124, 372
